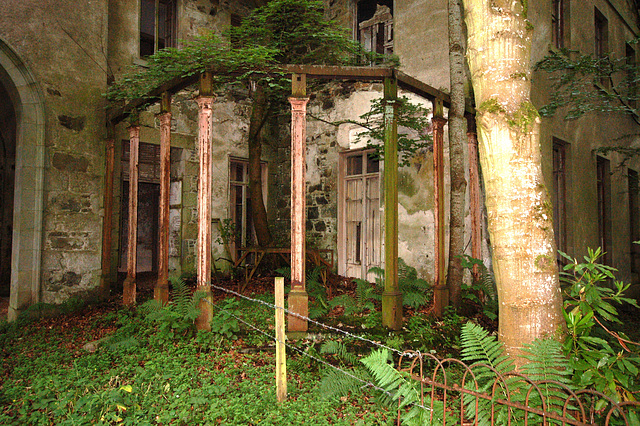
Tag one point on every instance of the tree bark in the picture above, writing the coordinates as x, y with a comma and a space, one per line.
259, 113
457, 138
518, 205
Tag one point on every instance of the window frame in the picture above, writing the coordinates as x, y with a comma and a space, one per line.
170, 26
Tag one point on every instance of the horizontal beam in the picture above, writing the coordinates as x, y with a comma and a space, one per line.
329, 72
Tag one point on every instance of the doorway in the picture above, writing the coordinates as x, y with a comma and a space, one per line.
7, 179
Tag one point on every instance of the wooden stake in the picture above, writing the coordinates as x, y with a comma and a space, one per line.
281, 357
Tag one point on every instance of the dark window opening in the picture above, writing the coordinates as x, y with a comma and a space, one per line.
559, 196
604, 207
634, 220
632, 84
559, 14
375, 25
157, 25
601, 47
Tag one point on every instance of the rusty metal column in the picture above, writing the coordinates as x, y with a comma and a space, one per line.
129, 285
298, 297
205, 102
474, 195
441, 292
391, 296
161, 291
107, 228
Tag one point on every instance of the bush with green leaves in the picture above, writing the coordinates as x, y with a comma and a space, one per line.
482, 291
602, 359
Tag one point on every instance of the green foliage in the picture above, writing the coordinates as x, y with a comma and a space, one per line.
601, 359
224, 321
280, 32
413, 128
318, 303
482, 291
584, 83
179, 315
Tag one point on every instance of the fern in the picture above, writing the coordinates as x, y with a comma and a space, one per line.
340, 350
479, 347
335, 383
349, 304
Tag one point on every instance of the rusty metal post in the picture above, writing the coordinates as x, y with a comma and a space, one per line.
474, 195
298, 297
161, 290
129, 285
205, 103
107, 228
391, 296
441, 292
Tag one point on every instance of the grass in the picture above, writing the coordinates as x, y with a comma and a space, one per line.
139, 376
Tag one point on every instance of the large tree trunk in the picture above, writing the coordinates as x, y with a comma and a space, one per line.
517, 201
457, 138
259, 114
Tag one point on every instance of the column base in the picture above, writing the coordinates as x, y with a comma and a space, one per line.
392, 310
129, 291
298, 302
440, 300
161, 292
203, 322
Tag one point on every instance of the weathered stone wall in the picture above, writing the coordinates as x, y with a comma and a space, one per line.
64, 45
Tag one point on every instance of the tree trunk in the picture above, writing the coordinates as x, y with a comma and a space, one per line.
518, 206
457, 138
259, 113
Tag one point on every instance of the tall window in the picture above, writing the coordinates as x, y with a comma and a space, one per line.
634, 220
601, 34
632, 85
240, 204
559, 194
157, 25
604, 207
559, 15
375, 25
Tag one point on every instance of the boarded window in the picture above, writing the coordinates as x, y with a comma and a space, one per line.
359, 237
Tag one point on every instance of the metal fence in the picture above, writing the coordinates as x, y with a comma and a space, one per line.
457, 393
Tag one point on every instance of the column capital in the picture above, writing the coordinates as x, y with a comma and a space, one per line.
164, 118
298, 104
134, 131
439, 121
205, 102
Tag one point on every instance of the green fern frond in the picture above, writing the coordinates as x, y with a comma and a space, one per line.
479, 347
349, 304
340, 350
335, 383
414, 299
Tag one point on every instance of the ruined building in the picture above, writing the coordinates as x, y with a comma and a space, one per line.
58, 58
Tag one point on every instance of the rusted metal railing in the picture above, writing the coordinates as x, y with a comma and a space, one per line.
456, 393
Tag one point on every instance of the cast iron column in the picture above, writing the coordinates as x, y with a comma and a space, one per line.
298, 298
391, 296
129, 286
441, 292
161, 291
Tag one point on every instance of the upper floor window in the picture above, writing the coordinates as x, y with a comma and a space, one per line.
375, 25
632, 85
559, 21
157, 25
601, 34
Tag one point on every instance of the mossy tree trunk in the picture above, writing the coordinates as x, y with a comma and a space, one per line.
517, 201
457, 138
259, 114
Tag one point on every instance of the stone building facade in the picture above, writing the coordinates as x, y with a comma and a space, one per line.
57, 59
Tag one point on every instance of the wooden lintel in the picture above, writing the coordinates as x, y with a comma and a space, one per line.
206, 84
165, 102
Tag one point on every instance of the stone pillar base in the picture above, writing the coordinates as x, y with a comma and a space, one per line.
298, 303
203, 322
392, 310
129, 291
